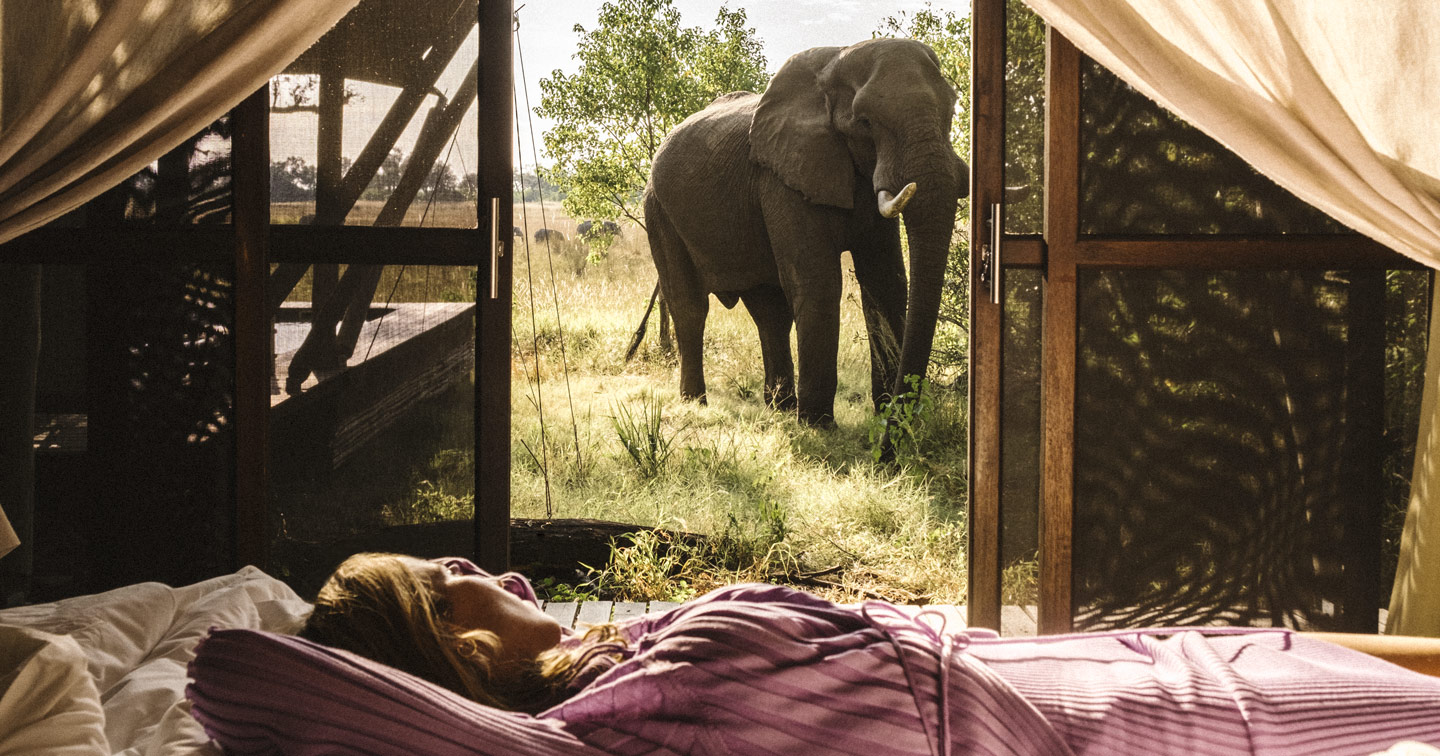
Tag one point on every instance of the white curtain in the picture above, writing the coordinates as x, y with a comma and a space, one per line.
1335, 100
111, 85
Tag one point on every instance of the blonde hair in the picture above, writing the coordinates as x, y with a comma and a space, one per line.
375, 605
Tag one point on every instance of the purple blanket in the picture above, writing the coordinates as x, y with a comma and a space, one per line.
765, 670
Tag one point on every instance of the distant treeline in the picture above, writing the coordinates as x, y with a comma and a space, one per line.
530, 188
293, 180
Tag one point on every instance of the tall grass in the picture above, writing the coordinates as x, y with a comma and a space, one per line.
774, 500
778, 500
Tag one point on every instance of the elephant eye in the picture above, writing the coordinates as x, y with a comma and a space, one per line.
864, 122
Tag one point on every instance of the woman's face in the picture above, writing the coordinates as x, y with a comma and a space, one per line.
482, 603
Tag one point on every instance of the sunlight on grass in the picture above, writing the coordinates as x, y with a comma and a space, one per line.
777, 500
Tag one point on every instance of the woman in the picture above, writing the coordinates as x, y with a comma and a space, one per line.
453, 624
768, 670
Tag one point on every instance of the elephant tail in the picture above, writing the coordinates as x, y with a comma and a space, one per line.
644, 321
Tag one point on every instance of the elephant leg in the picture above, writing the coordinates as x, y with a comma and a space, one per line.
771, 314
687, 301
880, 270
806, 241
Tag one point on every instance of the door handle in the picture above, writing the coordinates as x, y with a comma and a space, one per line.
497, 247
997, 233
990, 252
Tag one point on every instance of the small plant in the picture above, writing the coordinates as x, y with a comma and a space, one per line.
775, 519
652, 568
1020, 582
642, 433
550, 589
745, 386
901, 420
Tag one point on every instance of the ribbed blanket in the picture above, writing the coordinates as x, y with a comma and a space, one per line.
765, 671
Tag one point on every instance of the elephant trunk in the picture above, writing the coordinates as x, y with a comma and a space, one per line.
929, 223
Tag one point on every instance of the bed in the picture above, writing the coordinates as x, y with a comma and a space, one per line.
106, 673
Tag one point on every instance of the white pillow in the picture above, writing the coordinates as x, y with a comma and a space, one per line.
48, 701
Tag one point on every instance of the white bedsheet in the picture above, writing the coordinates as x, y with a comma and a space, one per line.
133, 644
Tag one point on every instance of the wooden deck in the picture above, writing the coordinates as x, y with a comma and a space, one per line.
1017, 621
386, 328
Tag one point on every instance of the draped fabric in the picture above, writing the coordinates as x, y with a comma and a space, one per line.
92, 91
111, 85
1331, 100
1415, 598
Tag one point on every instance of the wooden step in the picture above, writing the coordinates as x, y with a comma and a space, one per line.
1015, 620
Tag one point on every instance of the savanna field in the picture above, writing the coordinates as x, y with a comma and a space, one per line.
779, 501
596, 437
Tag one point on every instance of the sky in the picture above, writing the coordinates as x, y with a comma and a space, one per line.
546, 41
785, 27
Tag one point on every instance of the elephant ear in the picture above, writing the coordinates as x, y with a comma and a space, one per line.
791, 134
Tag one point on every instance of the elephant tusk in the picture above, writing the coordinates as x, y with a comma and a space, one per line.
890, 205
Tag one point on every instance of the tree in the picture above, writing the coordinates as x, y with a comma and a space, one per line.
641, 73
292, 180
387, 178
442, 185
300, 93
528, 187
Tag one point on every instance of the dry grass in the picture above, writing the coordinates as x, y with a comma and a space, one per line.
781, 501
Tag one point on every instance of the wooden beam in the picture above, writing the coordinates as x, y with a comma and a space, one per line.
1024, 252
1222, 252
1057, 392
370, 245
1361, 488
987, 114
251, 220
492, 325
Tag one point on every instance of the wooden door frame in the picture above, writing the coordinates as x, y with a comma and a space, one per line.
1061, 256
492, 320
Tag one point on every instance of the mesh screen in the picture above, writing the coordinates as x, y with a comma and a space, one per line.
135, 476
187, 186
1227, 435
373, 402
161, 440
1145, 171
381, 447
1020, 436
1024, 119
376, 124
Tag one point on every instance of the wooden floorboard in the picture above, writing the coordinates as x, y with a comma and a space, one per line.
1016, 620
562, 611
593, 613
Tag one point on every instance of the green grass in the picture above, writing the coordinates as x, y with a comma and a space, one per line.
779, 500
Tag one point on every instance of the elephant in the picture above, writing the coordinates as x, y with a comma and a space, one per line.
518, 233
755, 197
592, 229
549, 234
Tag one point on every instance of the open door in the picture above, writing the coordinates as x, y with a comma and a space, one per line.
1185, 391
387, 290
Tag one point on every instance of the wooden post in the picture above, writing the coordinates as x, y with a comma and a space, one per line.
987, 113
492, 322
1057, 391
251, 164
